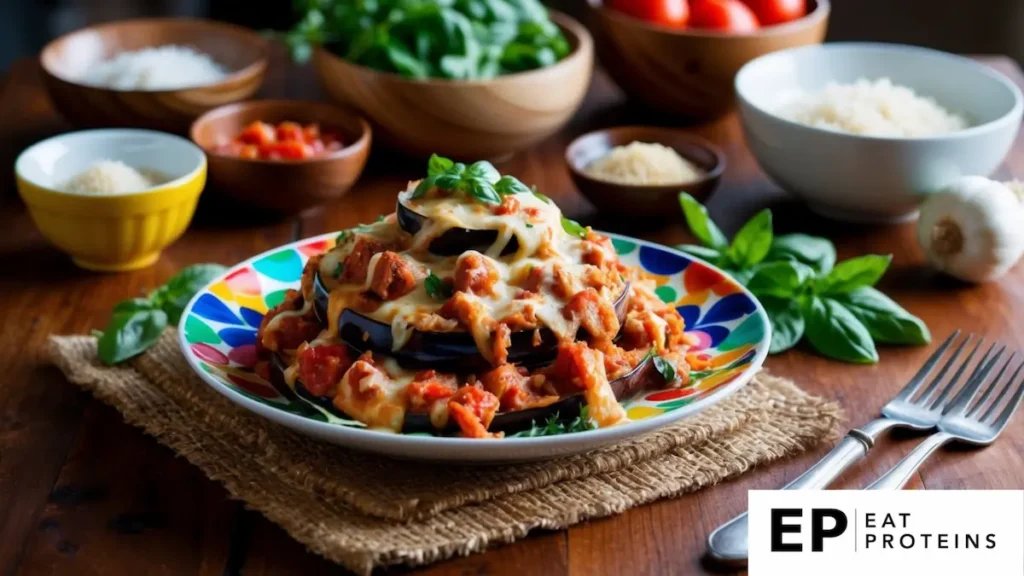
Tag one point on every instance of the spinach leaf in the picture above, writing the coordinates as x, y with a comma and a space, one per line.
836, 332
752, 242
854, 273
786, 320
700, 223
814, 251
886, 320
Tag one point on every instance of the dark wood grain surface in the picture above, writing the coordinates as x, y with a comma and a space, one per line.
81, 492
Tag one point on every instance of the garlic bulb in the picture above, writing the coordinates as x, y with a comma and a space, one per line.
973, 230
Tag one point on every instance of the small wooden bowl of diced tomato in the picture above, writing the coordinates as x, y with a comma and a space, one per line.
283, 155
680, 57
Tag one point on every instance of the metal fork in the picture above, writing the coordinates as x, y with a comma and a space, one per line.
978, 423
916, 407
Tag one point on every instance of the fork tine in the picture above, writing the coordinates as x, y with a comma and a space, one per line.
926, 397
991, 387
977, 378
1002, 393
926, 368
1012, 405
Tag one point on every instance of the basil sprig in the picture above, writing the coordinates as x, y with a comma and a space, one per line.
804, 291
480, 181
136, 324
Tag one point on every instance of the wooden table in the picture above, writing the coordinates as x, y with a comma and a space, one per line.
82, 492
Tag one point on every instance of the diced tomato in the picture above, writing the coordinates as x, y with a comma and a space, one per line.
311, 132
259, 133
473, 409
290, 131
290, 150
321, 368
250, 151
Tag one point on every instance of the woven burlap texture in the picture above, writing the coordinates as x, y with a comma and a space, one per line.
364, 511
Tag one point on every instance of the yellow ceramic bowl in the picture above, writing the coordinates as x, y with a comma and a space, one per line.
120, 232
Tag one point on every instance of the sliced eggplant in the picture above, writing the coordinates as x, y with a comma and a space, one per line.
453, 241
641, 379
455, 351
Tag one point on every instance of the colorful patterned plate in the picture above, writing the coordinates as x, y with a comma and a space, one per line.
218, 331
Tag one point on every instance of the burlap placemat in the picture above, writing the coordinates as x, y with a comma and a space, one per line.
364, 511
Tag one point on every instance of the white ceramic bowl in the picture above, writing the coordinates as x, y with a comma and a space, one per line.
866, 178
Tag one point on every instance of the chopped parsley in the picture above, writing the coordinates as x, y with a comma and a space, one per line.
437, 288
553, 426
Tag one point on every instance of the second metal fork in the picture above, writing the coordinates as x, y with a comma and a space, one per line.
978, 423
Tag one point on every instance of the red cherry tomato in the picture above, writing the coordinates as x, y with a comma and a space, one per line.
771, 12
725, 15
665, 12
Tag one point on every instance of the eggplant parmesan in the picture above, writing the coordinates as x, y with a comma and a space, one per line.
474, 309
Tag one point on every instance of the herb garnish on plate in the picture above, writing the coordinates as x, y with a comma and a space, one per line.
804, 291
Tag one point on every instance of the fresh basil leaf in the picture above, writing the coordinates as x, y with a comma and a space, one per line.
184, 285
483, 170
700, 223
447, 181
835, 332
438, 165
704, 253
405, 62
665, 368
544, 198
854, 273
436, 288
510, 185
128, 334
135, 305
886, 320
786, 320
741, 276
817, 252
782, 279
482, 190
573, 228
424, 186
752, 242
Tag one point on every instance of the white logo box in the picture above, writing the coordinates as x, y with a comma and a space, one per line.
906, 532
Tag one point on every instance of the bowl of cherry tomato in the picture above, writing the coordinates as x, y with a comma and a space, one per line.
680, 57
283, 155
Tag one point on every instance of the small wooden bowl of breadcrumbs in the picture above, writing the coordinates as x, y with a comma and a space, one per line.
640, 170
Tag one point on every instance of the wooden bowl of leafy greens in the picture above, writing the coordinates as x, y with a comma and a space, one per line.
468, 80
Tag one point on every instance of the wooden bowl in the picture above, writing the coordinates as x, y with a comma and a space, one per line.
240, 50
689, 72
287, 186
648, 201
466, 119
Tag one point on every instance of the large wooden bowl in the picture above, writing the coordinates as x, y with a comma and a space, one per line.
689, 73
240, 50
466, 119
288, 187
